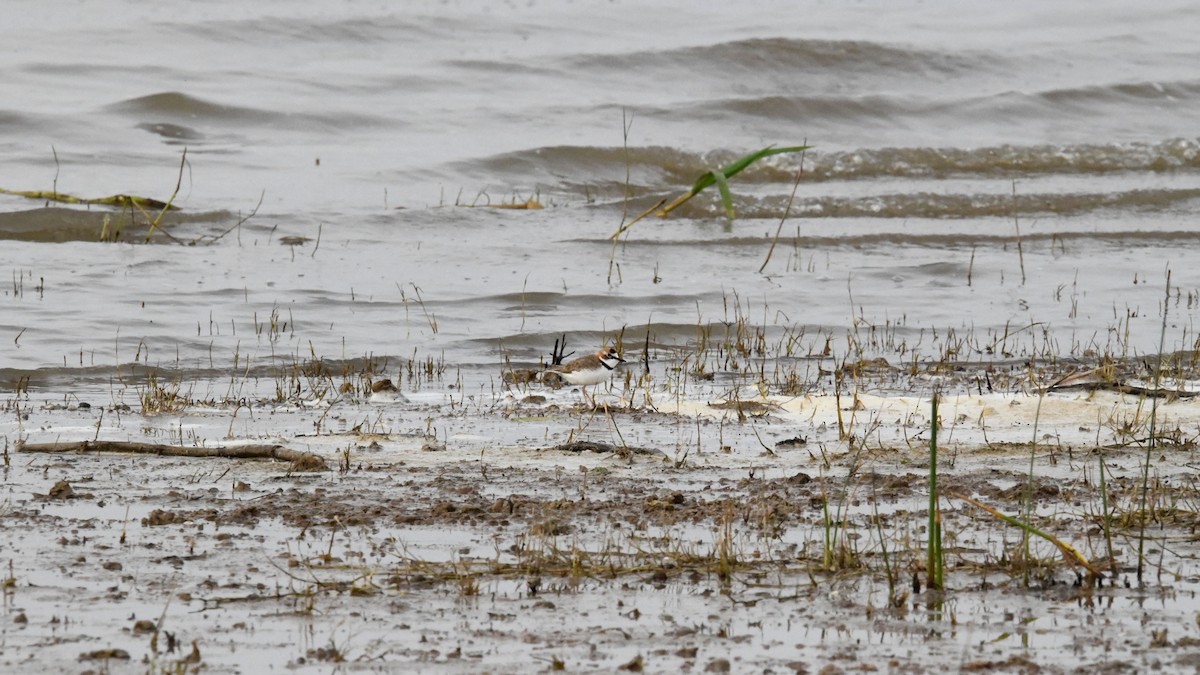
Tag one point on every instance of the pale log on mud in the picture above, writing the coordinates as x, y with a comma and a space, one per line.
307, 460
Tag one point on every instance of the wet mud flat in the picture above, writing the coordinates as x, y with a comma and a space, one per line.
530, 536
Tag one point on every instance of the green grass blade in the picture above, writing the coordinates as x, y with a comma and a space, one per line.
723, 188
710, 178
737, 166
1069, 552
934, 530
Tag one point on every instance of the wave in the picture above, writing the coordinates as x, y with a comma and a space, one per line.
187, 109
1123, 92
860, 109
658, 167
177, 104
793, 57
943, 206
1005, 161
14, 120
1003, 233
654, 164
135, 374
321, 30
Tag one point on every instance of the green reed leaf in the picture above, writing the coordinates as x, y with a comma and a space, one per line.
737, 166
708, 179
723, 188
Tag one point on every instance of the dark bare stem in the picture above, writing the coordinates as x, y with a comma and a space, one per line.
786, 210
626, 125
1162, 336
242, 220
1107, 516
154, 224
54, 187
1017, 225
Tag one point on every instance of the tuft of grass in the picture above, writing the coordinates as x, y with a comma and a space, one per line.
468, 585
724, 552
164, 398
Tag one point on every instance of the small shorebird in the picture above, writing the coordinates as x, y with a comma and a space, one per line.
590, 369
384, 391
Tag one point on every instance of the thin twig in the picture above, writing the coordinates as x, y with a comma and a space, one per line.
54, 187
626, 125
786, 210
154, 224
239, 223
1162, 336
1017, 225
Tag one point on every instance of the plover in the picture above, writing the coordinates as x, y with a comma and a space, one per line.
590, 369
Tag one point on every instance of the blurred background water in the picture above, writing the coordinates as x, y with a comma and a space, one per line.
942, 136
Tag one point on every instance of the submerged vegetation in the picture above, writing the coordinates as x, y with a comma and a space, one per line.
145, 218
118, 201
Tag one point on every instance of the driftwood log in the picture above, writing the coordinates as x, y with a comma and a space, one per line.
1127, 389
1105, 378
301, 461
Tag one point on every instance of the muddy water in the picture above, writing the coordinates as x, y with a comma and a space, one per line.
984, 188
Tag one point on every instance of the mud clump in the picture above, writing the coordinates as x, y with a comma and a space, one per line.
800, 478
718, 666
550, 528
1040, 491
159, 517
105, 655
1013, 664
61, 490
308, 463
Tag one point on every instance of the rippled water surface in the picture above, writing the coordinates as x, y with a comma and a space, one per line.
1022, 166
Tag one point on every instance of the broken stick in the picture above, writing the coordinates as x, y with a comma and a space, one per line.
301, 461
